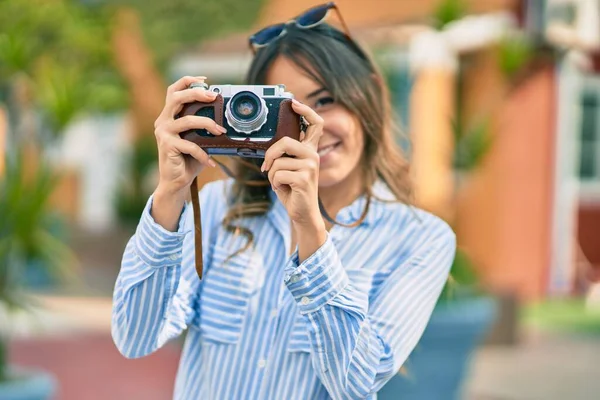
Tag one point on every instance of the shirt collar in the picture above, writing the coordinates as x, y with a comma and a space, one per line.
381, 196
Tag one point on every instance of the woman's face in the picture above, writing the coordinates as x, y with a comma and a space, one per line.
341, 145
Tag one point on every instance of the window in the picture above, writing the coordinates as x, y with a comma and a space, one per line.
395, 68
589, 166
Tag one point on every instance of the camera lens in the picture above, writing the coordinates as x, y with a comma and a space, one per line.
244, 107
246, 112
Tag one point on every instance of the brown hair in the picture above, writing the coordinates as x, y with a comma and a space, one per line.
348, 73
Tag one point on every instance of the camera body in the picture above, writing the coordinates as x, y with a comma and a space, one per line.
255, 117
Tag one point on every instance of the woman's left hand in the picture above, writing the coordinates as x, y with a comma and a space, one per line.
294, 171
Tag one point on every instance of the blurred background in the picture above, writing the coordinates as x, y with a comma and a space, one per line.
500, 103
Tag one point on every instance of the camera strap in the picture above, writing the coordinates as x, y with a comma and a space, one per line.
198, 222
197, 227
199, 261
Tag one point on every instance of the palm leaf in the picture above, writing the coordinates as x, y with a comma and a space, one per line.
26, 234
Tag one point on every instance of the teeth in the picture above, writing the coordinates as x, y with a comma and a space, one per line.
326, 150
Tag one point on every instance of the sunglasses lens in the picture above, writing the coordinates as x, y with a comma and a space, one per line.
313, 16
266, 35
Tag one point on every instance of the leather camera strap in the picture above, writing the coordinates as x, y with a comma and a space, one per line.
198, 222
197, 228
199, 262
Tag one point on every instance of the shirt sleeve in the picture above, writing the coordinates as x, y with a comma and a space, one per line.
157, 285
359, 344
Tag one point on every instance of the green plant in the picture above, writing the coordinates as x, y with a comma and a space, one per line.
563, 315
471, 143
27, 236
56, 57
515, 51
177, 26
463, 280
133, 193
448, 11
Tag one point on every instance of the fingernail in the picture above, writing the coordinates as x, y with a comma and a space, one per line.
211, 163
262, 166
212, 94
296, 102
200, 77
221, 129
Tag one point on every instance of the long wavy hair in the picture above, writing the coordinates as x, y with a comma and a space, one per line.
347, 72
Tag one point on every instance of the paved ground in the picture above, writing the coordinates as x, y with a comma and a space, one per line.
74, 343
88, 367
543, 367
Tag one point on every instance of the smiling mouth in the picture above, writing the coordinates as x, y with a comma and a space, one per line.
328, 149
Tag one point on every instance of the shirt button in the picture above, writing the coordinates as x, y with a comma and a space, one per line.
294, 278
305, 300
173, 257
274, 313
262, 363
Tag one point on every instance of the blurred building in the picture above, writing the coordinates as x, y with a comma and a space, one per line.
534, 200
529, 213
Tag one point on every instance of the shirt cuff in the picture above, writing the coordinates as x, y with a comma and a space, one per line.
157, 246
318, 279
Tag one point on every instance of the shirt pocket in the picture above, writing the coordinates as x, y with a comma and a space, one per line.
299, 341
229, 286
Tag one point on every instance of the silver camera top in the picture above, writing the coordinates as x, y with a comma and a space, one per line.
264, 91
247, 110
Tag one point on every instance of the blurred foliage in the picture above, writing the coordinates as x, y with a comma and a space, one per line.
570, 315
172, 27
463, 280
28, 234
447, 11
514, 53
472, 143
63, 48
28, 229
133, 192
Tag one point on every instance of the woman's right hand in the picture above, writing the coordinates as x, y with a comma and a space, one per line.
179, 160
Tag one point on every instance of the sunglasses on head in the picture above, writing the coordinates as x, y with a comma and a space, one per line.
308, 19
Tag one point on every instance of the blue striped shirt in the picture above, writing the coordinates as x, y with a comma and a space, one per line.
262, 326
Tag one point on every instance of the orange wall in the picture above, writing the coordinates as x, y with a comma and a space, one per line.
433, 93
371, 12
65, 198
504, 209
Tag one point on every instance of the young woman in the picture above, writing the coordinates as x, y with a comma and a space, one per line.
290, 305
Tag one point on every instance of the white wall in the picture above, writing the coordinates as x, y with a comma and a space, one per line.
98, 147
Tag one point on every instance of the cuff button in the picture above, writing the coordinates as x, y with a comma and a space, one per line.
305, 300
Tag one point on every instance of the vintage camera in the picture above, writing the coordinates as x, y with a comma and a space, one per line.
255, 116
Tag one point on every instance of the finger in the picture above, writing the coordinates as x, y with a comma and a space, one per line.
194, 122
302, 136
286, 145
192, 149
286, 163
177, 100
168, 112
184, 83
313, 135
314, 120
294, 179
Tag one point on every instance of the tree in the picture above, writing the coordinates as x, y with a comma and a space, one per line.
55, 56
